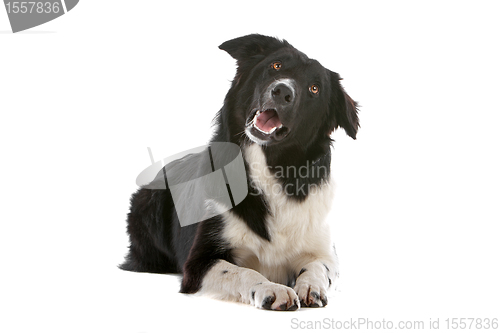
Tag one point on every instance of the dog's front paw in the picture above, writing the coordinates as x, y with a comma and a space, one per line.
274, 296
311, 296
313, 281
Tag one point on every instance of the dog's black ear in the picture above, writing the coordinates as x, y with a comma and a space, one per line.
344, 108
245, 47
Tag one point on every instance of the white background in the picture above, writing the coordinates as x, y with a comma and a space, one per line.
416, 213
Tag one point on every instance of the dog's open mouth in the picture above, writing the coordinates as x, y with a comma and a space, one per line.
264, 123
267, 121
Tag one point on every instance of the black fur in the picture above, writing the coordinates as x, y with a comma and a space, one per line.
157, 242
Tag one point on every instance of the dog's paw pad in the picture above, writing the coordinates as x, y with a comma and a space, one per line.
294, 307
268, 302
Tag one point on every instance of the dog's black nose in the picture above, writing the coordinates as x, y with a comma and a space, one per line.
282, 94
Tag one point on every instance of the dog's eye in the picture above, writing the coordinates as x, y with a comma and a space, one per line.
276, 65
314, 89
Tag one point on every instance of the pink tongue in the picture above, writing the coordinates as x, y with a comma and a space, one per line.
267, 120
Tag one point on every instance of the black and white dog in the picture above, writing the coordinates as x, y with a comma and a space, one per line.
273, 249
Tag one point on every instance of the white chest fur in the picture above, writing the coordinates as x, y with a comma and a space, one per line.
297, 229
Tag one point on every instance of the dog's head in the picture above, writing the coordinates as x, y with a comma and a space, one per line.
282, 96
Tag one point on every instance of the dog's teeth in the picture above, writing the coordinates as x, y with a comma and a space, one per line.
254, 121
270, 132
255, 117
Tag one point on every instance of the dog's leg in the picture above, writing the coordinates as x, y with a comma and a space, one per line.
315, 276
227, 281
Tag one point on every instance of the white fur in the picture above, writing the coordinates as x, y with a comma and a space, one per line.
300, 247
298, 230
230, 282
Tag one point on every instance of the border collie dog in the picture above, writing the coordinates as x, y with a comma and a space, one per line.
273, 249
